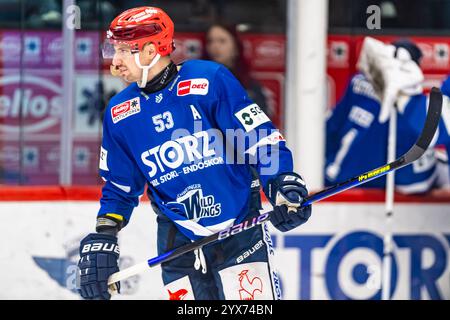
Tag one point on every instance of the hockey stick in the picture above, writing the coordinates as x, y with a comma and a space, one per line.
416, 151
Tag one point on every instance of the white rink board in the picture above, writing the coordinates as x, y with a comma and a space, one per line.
54, 230
341, 245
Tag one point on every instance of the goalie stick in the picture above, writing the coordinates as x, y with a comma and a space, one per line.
416, 151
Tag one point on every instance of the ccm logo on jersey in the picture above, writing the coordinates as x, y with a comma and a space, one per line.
198, 86
125, 109
251, 117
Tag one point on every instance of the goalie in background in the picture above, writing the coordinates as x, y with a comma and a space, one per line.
357, 129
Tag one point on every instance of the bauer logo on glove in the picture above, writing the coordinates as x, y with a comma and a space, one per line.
95, 247
99, 255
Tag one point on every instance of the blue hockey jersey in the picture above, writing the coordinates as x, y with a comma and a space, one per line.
357, 141
193, 143
444, 126
445, 88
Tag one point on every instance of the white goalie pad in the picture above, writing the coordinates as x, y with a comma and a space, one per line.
392, 73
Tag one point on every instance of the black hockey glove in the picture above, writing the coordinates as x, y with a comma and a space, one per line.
286, 192
99, 255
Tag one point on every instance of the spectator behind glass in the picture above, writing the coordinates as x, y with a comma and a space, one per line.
223, 46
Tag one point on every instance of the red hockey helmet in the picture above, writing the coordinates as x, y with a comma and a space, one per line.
138, 26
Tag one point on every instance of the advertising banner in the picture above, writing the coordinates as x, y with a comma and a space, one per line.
336, 255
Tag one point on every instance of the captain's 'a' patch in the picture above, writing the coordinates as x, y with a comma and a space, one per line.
195, 113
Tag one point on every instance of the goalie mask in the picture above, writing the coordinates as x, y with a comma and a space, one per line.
132, 29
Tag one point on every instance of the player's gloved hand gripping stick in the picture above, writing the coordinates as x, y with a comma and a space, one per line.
416, 151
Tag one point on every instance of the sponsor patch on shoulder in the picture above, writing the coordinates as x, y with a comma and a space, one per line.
199, 86
103, 159
125, 109
251, 117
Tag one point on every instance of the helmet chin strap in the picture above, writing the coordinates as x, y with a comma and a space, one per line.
145, 69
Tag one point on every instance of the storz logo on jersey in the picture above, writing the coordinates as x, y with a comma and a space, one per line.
125, 109
196, 205
198, 86
172, 154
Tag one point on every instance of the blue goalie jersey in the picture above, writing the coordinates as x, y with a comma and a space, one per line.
194, 143
444, 125
357, 141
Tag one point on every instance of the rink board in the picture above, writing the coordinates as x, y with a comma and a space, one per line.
336, 255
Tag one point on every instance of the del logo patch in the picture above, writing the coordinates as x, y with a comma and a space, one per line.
125, 109
198, 86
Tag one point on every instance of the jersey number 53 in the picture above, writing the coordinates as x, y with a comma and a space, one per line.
163, 121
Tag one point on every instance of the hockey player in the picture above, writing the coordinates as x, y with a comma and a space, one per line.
191, 134
413, 119
357, 139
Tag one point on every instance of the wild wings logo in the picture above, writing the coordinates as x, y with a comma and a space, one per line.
196, 205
